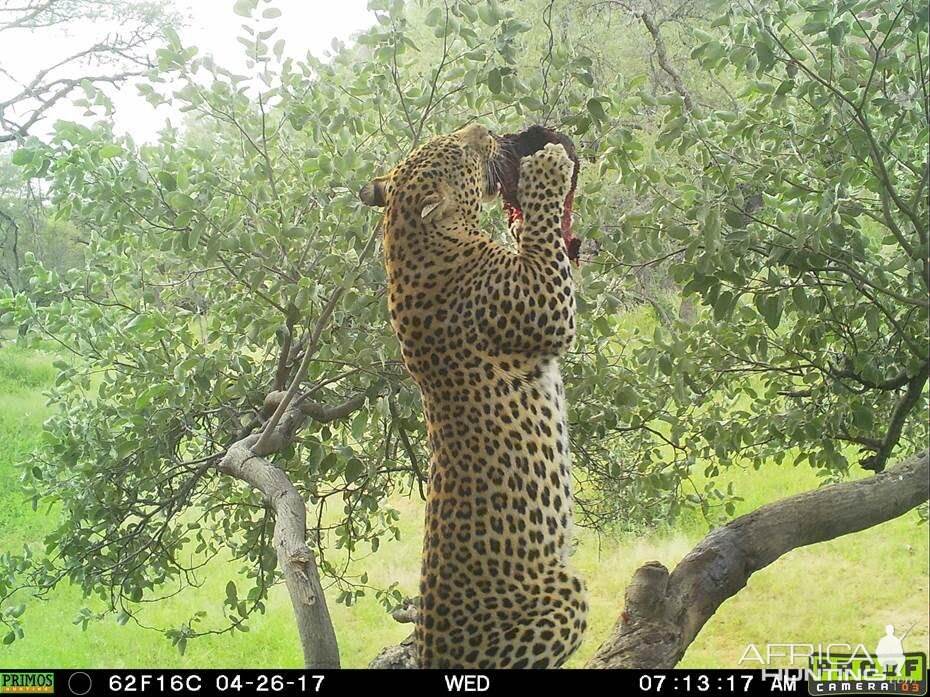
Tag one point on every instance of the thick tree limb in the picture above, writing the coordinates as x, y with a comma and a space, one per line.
400, 657
297, 563
664, 612
404, 655
244, 461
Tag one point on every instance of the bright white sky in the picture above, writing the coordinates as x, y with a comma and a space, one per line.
305, 25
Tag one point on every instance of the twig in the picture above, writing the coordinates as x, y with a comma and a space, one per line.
310, 349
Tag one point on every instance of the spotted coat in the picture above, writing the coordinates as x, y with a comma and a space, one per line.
480, 328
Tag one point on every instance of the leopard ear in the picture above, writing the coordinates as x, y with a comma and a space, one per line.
430, 207
373, 193
436, 204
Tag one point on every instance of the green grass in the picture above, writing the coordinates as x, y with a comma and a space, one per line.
845, 590
22, 410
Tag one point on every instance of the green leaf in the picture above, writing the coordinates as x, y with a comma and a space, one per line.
110, 151
487, 14
359, 425
23, 156
665, 364
167, 180
836, 33
244, 8
328, 462
433, 17
723, 305
596, 109
192, 237
863, 417
771, 311
734, 218
180, 201
494, 80
712, 230
764, 53
857, 50
141, 322
849, 84
354, 469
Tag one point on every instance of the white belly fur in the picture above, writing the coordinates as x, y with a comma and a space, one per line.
551, 382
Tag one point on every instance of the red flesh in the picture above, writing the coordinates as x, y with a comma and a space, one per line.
515, 146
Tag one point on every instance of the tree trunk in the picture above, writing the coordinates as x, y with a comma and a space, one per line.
317, 636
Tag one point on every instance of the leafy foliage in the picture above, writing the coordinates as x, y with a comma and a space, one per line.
799, 218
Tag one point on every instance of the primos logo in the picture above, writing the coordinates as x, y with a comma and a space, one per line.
845, 674
27, 683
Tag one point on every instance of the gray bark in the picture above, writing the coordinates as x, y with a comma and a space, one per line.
296, 561
403, 656
664, 612
245, 460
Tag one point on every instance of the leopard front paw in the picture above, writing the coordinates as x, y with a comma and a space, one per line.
546, 170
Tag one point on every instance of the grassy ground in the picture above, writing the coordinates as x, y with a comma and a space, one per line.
842, 591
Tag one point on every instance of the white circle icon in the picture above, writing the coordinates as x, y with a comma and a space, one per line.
79, 683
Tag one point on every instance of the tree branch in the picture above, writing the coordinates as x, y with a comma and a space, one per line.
262, 445
297, 563
662, 57
664, 612
903, 407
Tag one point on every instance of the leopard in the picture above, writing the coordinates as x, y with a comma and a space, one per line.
481, 325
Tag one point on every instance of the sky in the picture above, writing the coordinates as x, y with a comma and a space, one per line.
305, 25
